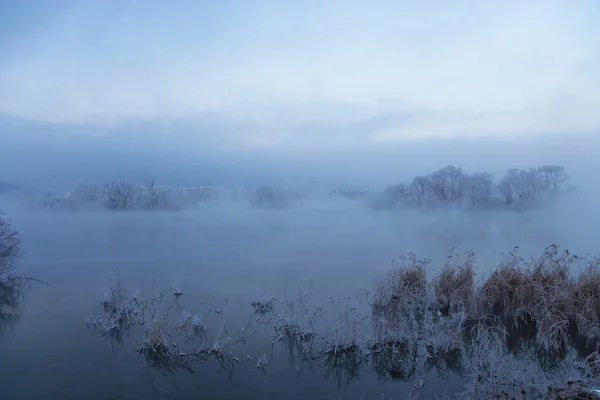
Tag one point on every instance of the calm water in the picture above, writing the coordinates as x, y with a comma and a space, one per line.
224, 255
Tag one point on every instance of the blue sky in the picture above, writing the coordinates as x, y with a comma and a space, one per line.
306, 71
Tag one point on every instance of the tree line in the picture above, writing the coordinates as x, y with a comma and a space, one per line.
451, 185
447, 186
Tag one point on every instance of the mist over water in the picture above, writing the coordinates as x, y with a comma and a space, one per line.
224, 253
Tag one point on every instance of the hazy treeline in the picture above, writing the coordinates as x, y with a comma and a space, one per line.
126, 195
451, 185
448, 186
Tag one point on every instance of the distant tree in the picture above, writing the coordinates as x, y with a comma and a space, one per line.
152, 191
10, 247
520, 185
505, 187
118, 194
448, 184
480, 188
551, 177
419, 189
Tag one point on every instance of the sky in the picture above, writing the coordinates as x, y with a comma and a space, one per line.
315, 83
402, 69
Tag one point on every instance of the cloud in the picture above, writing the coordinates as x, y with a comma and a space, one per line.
381, 70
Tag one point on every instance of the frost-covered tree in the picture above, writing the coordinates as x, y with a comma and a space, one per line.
153, 193
118, 194
551, 177
448, 184
520, 185
419, 190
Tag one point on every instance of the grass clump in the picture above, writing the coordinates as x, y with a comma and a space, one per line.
401, 298
168, 330
507, 289
454, 288
586, 299
536, 294
122, 309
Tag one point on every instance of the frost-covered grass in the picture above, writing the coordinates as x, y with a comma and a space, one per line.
172, 337
454, 287
122, 309
408, 324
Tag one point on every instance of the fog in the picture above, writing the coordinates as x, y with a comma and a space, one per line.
195, 152
240, 151
224, 251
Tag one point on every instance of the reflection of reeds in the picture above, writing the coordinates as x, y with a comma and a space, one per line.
395, 360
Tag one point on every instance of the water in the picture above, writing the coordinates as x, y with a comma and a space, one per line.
223, 255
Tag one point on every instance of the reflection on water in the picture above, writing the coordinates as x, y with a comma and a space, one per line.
12, 292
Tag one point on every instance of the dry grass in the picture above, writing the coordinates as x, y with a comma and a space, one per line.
529, 291
539, 295
586, 300
454, 288
507, 289
401, 298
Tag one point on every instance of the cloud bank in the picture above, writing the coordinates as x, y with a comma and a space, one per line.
304, 72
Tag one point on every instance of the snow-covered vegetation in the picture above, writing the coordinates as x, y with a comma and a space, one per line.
487, 329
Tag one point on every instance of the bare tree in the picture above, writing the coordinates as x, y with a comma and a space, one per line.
118, 194
551, 176
480, 189
10, 247
520, 185
448, 184
505, 187
152, 191
419, 188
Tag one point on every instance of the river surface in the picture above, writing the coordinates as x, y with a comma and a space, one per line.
223, 255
